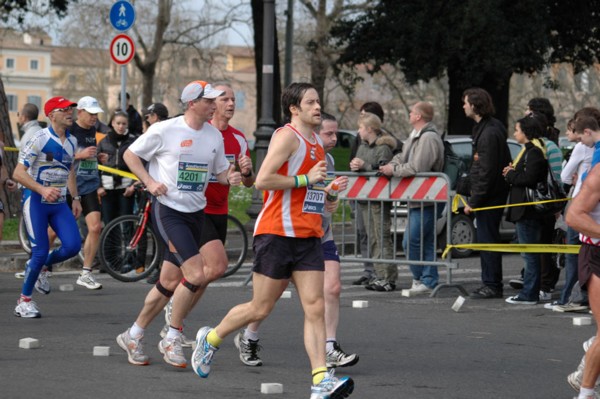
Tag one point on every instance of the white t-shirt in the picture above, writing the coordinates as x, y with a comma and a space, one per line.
183, 159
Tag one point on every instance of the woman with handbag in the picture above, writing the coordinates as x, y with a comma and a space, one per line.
529, 169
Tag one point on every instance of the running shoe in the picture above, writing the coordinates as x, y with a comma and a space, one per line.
134, 349
185, 341
248, 350
27, 309
87, 280
338, 358
203, 354
172, 352
332, 387
42, 285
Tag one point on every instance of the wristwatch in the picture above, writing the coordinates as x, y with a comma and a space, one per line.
77, 198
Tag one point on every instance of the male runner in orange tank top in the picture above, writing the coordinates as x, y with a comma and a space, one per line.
287, 240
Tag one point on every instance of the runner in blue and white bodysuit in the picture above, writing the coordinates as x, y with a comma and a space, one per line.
45, 169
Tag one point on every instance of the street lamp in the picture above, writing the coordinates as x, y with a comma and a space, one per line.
266, 124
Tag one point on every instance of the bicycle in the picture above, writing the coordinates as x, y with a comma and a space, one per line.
236, 245
129, 243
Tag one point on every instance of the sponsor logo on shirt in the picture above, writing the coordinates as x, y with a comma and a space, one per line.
186, 143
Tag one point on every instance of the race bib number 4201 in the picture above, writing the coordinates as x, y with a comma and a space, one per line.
191, 176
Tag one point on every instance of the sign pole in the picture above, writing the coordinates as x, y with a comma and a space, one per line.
122, 48
123, 88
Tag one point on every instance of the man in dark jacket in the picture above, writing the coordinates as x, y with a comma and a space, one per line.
487, 186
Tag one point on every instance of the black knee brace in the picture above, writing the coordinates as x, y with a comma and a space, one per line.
189, 285
163, 290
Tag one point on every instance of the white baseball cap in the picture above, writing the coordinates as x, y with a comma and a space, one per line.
199, 89
90, 104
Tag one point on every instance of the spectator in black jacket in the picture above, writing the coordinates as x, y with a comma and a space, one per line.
487, 186
134, 118
116, 191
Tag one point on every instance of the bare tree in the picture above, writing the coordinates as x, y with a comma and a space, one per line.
175, 26
322, 52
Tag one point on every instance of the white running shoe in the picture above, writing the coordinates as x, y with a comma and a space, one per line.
134, 349
185, 341
248, 350
338, 358
203, 354
42, 285
172, 352
87, 280
27, 309
20, 275
332, 387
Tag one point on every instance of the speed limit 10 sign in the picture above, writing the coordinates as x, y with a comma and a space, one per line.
122, 49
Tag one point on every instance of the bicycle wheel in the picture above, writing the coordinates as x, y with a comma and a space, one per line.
23, 236
122, 260
236, 245
26, 244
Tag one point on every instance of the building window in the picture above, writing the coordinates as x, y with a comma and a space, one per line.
10, 63
37, 100
12, 103
34, 65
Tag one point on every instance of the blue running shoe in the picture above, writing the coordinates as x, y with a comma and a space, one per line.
203, 354
332, 387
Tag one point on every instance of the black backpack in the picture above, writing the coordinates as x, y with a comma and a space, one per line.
454, 167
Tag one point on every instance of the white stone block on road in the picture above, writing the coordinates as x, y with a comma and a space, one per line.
286, 294
29, 343
458, 303
360, 304
66, 287
101, 350
582, 321
271, 387
406, 292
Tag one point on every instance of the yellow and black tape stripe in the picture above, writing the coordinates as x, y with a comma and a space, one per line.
526, 248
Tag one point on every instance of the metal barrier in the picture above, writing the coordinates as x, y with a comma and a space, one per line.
398, 195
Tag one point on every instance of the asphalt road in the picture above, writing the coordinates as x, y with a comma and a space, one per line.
409, 347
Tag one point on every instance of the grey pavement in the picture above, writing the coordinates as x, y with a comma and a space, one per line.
408, 347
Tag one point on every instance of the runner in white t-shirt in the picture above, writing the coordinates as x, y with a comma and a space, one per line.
182, 153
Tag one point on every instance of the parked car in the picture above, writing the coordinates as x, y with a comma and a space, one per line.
463, 226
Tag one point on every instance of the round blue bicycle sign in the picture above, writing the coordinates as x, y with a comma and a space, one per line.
122, 15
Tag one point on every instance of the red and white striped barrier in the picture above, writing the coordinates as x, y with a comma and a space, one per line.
417, 188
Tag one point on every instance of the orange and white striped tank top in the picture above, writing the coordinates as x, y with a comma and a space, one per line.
282, 212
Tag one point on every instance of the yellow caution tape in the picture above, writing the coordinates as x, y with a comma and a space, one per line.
526, 248
11, 149
458, 198
117, 172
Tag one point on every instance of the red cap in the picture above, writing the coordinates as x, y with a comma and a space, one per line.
57, 102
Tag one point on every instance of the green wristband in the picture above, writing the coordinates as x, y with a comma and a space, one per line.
303, 180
